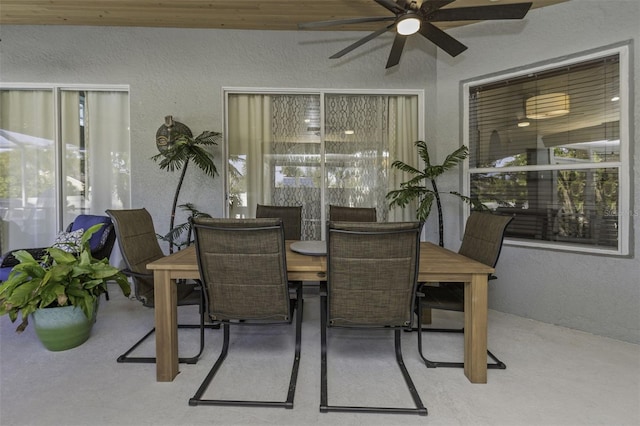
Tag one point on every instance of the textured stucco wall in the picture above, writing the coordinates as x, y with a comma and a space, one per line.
182, 72
593, 293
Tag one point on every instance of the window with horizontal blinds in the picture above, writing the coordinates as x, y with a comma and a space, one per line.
545, 146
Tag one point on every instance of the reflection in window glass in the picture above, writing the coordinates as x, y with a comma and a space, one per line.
284, 149
545, 146
27, 169
507, 120
39, 196
580, 205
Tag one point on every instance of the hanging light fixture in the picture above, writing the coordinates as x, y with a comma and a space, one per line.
548, 105
408, 24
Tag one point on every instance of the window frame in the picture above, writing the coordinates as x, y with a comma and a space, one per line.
322, 93
56, 90
623, 166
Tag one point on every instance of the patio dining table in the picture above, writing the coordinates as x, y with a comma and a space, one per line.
437, 264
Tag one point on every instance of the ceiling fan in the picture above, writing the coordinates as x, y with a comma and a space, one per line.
414, 16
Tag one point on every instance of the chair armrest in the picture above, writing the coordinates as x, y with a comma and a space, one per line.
8, 259
130, 273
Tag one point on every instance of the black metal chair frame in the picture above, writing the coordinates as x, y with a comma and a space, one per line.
324, 403
497, 364
198, 399
125, 358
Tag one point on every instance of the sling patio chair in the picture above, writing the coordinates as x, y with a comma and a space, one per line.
372, 271
482, 241
139, 246
291, 218
291, 221
243, 267
352, 214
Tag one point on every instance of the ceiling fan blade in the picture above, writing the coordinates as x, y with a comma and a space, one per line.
392, 6
396, 50
362, 41
441, 39
479, 13
320, 24
429, 6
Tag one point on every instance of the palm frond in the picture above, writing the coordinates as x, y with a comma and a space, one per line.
423, 152
174, 157
405, 167
424, 208
402, 197
474, 202
414, 181
208, 138
193, 212
455, 158
203, 159
433, 172
174, 233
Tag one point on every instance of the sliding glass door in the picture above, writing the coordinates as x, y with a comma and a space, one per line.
317, 149
63, 152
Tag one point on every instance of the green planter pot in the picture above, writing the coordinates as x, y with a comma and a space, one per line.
63, 327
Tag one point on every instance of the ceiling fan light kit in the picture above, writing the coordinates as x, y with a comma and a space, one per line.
408, 24
416, 17
548, 105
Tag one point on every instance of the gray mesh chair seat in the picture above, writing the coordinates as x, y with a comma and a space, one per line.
372, 271
352, 214
243, 267
482, 241
139, 246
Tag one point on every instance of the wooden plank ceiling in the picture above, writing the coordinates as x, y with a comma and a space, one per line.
220, 14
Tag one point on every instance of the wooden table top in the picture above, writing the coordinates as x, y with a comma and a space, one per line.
436, 264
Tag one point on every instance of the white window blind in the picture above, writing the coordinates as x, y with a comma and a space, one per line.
547, 146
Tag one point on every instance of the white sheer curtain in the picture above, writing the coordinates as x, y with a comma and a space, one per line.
403, 132
249, 139
93, 175
107, 142
95, 140
72, 154
274, 143
27, 168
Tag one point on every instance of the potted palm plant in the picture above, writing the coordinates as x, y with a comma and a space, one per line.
177, 150
423, 186
59, 291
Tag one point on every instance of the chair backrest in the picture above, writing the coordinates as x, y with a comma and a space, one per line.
291, 218
483, 236
352, 214
101, 243
372, 271
243, 265
139, 246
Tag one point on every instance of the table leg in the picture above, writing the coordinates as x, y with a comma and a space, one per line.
166, 319
475, 329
